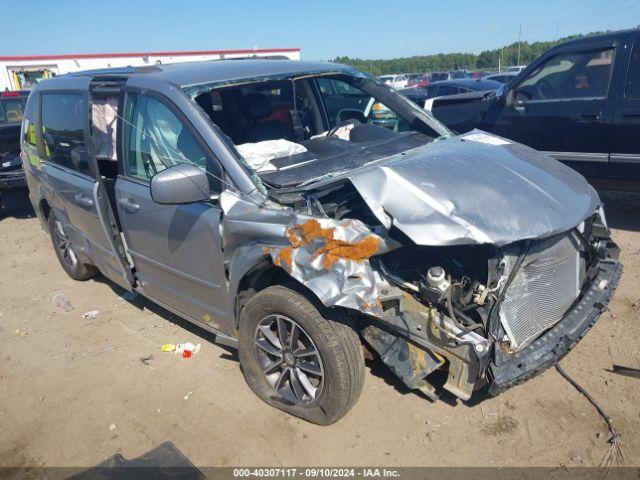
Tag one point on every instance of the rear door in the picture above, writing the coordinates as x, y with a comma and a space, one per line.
70, 174
562, 106
624, 163
176, 249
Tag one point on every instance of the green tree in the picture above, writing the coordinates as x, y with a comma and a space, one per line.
485, 60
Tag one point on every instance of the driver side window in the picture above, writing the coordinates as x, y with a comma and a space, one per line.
157, 139
569, 75
338, 95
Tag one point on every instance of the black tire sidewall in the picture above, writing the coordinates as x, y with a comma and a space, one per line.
334, 398
78, 272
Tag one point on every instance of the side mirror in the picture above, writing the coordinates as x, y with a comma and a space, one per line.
180, 184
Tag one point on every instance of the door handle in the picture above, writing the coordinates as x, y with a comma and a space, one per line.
591, 115
128, 204
84, 200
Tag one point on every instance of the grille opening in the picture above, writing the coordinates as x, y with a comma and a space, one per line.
545, 287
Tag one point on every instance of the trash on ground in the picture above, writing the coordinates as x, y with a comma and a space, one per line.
186, 397
61, 301
187, 349
91, 314
626, 371
145, 360
613, 456
21, 332
112, 427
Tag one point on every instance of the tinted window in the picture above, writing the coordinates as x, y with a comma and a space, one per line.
569, 75
63, 120
338, 95
431, 90
157, 139
437, 77
11, 110
447, 90
633, 75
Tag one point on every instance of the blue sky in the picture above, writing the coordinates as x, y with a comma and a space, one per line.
322, 29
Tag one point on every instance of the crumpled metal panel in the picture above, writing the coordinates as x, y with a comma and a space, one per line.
459, 191
330, 257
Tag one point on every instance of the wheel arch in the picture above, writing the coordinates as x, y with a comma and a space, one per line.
265, 274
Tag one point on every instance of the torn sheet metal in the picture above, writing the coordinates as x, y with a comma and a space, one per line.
330, 257
461, 191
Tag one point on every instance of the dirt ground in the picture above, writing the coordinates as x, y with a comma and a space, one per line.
74, 391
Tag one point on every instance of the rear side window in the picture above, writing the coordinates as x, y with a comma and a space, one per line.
63, 121
633, 75
448, 90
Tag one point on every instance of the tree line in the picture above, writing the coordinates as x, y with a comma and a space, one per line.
485, 60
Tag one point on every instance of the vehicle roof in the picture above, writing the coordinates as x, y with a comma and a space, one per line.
601, 36
214, 71
472, 83
502, 74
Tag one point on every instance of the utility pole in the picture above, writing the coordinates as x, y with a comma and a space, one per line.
519, 40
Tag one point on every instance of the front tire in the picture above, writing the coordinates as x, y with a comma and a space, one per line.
296, 359
65, 252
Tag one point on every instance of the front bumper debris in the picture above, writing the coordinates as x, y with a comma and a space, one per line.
507, 370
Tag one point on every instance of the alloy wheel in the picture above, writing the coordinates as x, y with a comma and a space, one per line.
63, 244
289, 360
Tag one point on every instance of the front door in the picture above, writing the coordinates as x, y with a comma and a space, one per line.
562, 107
176, 249
624, 163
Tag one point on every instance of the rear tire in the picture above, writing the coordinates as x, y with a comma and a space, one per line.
320, 386
65, 252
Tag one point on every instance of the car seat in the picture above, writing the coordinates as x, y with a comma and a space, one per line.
256, 107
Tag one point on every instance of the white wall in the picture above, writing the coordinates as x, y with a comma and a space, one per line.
66, 65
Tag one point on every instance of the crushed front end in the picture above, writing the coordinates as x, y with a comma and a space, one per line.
492, 315
471, 256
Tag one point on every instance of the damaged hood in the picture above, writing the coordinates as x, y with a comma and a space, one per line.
475, 189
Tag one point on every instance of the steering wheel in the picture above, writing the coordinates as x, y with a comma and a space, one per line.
353, 121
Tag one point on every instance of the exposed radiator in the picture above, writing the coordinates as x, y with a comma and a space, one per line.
546, 285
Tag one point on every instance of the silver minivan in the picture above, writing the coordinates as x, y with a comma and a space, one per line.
266, 202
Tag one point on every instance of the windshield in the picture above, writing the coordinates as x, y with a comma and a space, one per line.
293, 130
11, 109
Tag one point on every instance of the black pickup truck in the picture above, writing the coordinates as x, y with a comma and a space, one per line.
578, 102
11, 113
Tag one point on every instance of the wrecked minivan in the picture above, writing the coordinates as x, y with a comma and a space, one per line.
307, 214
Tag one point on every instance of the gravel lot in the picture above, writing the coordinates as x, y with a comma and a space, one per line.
74, 391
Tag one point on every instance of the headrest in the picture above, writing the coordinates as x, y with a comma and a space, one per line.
257, 106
